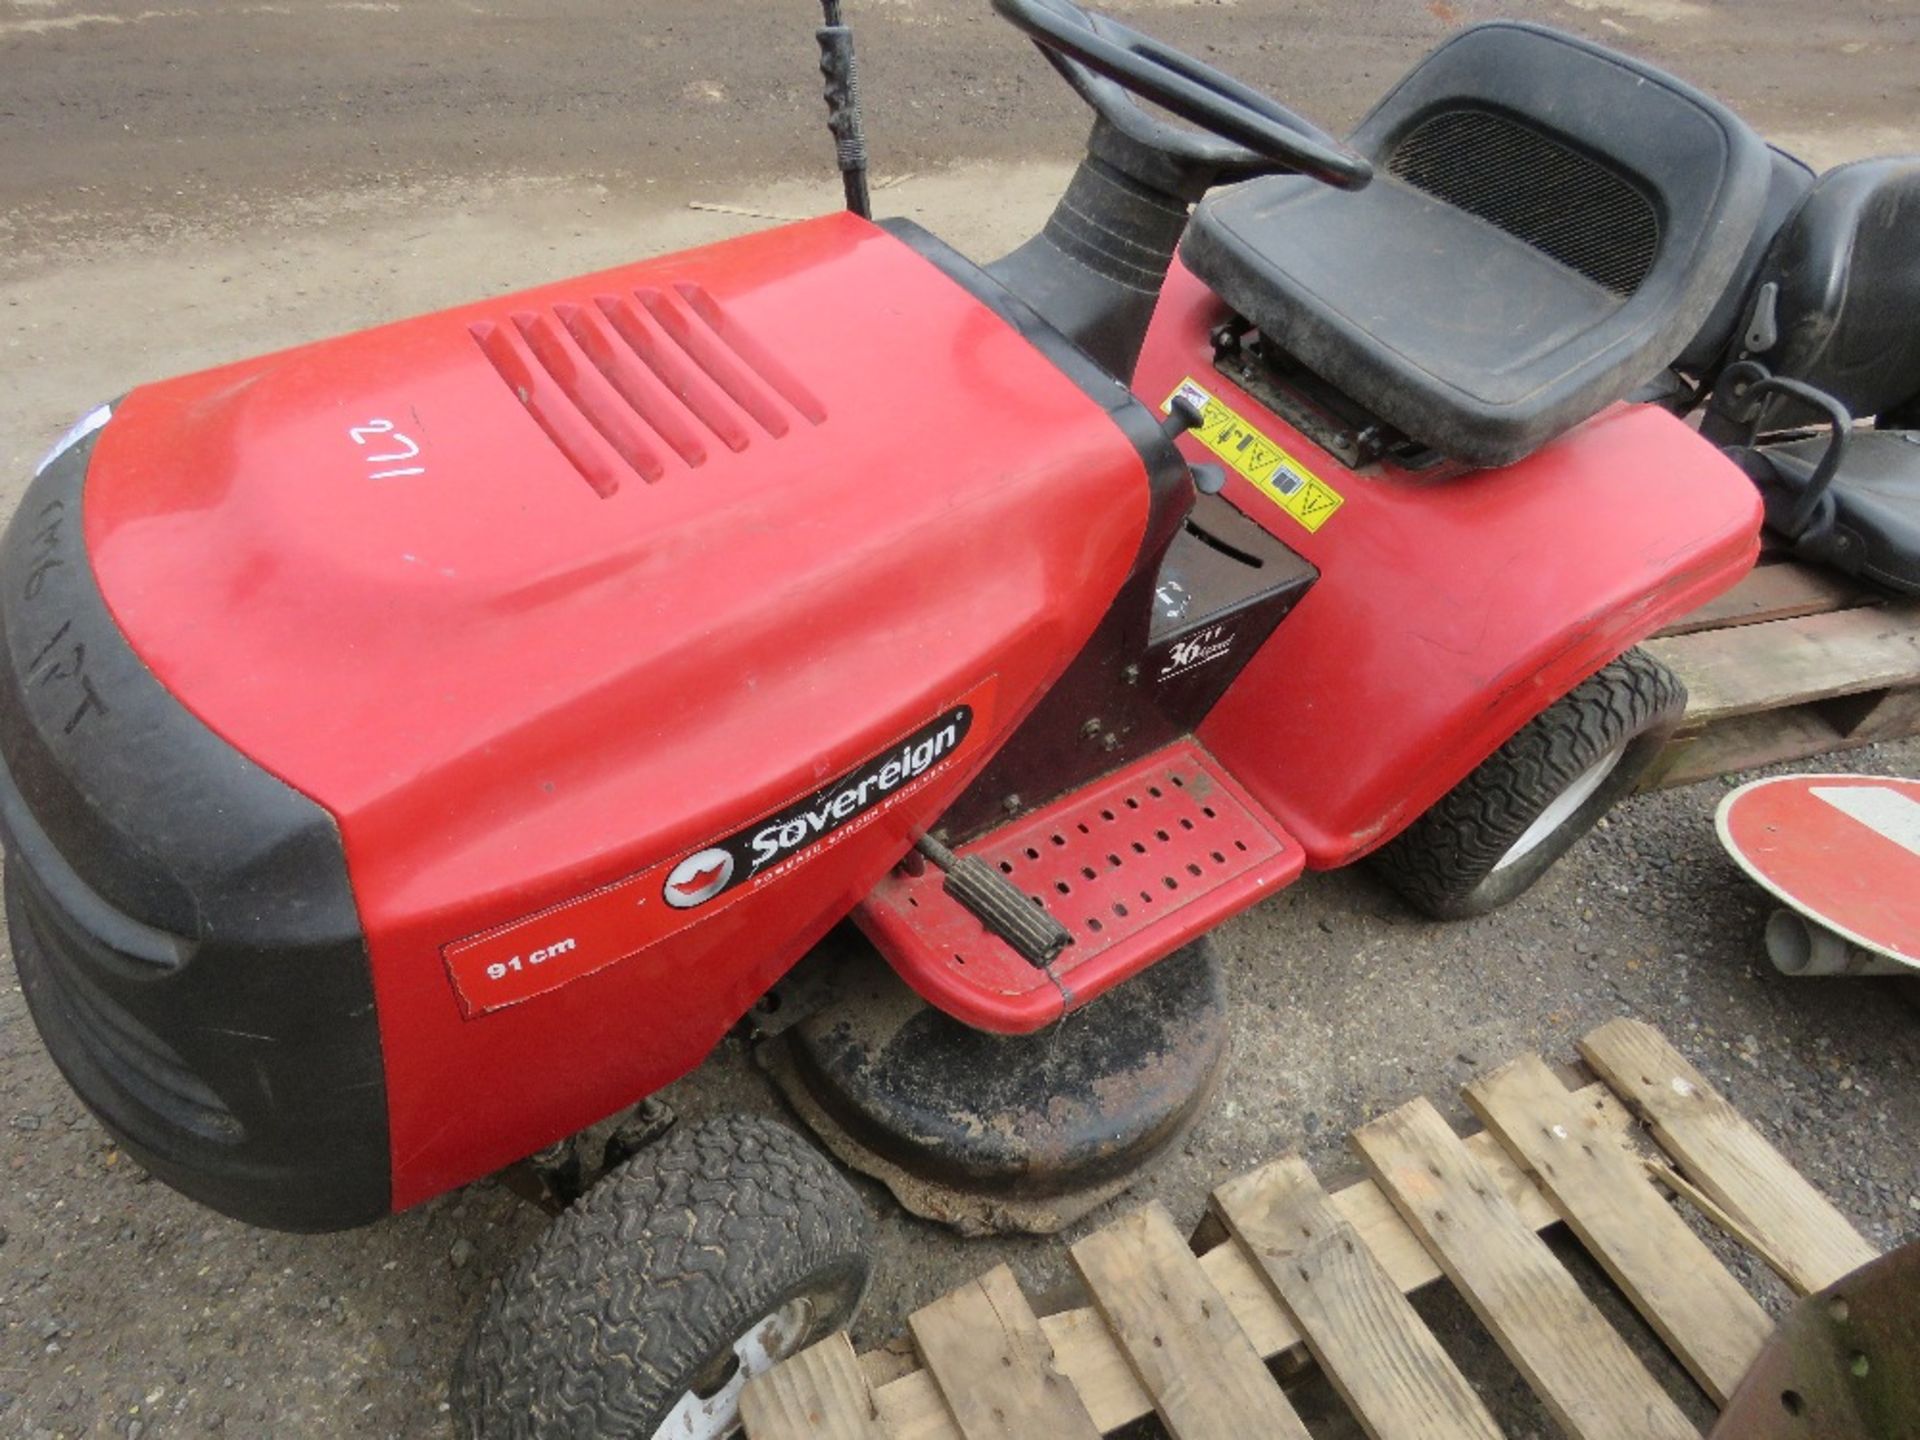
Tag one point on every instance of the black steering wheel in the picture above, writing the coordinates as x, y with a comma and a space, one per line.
1248, 133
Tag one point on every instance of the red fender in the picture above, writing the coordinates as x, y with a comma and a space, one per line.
1449, 612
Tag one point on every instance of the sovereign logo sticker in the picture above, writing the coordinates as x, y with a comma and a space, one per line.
698, 878
785, 836
589, 932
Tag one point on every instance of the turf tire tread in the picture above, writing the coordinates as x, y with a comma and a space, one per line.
1443, 864
604, 1321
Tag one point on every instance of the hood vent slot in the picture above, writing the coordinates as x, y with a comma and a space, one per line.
641, 384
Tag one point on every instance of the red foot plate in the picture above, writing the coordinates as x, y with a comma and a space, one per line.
1134, 865
1842, 849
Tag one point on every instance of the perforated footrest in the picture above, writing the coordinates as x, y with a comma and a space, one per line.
1134, 865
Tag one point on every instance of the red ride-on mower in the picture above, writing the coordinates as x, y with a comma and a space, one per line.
423, 745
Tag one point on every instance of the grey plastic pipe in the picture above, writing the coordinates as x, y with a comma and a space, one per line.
1798, 947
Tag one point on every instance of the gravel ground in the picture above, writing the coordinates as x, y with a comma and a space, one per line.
125, 1310
189, 184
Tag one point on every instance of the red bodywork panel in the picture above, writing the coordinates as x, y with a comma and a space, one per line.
1449, 612
1134, 865
542, 596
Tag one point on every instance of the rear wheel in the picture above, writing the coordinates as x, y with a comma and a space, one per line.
1501, 828
648, 1305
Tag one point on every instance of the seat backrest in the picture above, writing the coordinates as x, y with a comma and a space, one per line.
1845, 296
1612, 167
1790, 180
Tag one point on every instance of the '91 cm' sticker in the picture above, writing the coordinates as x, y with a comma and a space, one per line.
577, 937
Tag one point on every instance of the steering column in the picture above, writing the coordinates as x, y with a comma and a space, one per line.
1096, 270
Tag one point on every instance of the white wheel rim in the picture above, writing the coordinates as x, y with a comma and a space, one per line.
715, 1416
1562, 808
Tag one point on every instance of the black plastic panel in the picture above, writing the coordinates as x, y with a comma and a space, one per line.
1224, 587
183, 923
1106, 710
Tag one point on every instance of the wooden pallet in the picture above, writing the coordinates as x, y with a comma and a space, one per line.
1794, 661
1294, 1272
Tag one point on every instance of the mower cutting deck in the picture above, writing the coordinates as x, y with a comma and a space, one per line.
1005, 1134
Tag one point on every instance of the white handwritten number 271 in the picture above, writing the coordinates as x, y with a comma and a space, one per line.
406, 449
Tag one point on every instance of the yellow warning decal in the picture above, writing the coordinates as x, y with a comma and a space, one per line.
1280, 477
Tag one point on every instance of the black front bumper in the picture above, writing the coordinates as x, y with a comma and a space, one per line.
182, 921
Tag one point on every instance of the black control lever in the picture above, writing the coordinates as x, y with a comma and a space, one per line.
1183, 415
1209, 479
997, 903
1745, 386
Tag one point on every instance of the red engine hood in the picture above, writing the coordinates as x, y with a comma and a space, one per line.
410, 560
536, 593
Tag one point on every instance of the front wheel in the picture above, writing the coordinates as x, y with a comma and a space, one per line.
1502, 827
646, 1307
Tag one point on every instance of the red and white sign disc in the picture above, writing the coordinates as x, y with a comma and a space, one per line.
1842, 849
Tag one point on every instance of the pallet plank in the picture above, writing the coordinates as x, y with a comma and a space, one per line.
994, 1367
888, 1363
1091, 1358
1786, 662
1868, 719
1746, 743
1773, 592
1713, 1325
1468, 1202
1595, 1387
1397, 1248
1087, 1354
1206, 1379
820, 1394
1725, 1156
1367, 1339
911, 1409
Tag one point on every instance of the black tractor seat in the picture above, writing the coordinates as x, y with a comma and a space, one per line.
1550, 224
1869, 521
1834, 310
